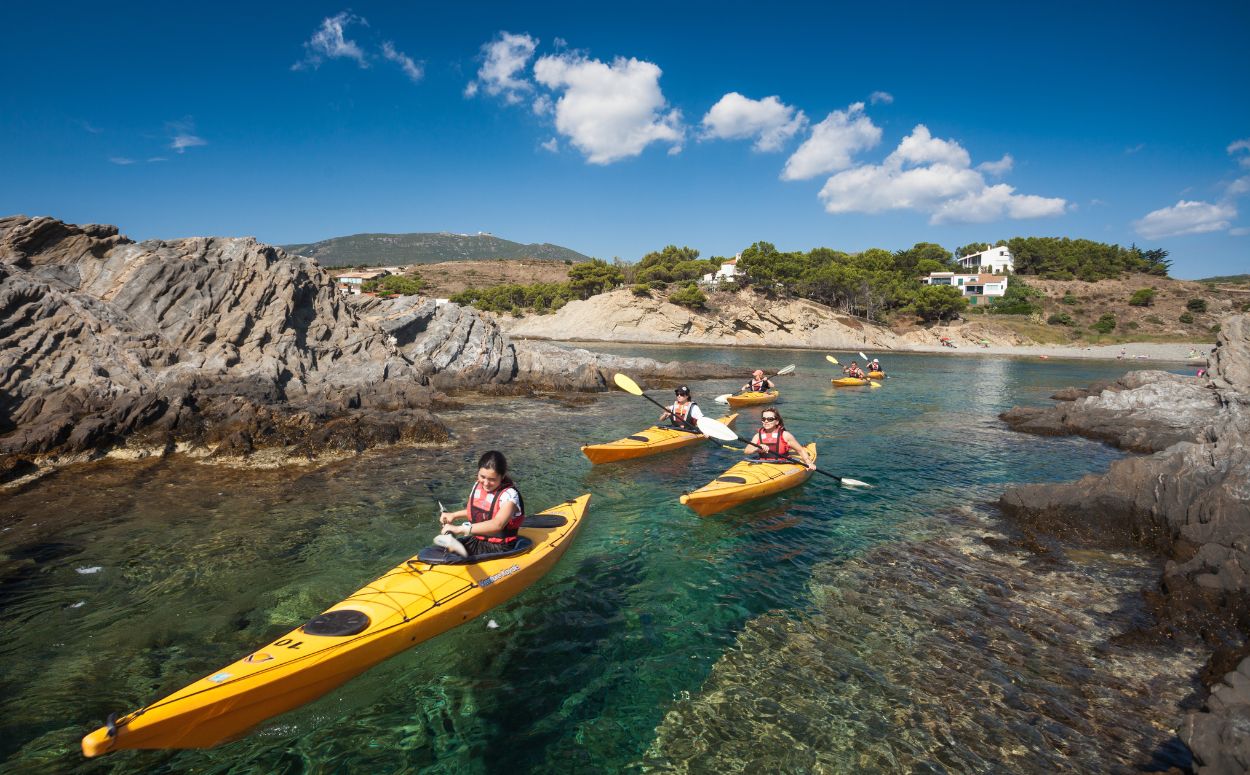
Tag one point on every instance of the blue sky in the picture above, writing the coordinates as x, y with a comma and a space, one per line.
618, 130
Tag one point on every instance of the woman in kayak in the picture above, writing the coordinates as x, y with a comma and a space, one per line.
495, 511
773, 442
683, 412
874, 365
758, 384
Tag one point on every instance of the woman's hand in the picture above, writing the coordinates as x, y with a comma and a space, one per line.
445, 518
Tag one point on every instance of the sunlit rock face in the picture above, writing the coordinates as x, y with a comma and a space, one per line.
1189, 500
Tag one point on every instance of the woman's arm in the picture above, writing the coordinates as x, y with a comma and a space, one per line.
799, 450
447, 517
753, 447
490, 527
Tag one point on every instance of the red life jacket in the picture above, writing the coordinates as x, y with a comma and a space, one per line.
773, 445
679, 418
483, 505
758, 386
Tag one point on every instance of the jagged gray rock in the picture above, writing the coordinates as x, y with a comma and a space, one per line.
1189, 500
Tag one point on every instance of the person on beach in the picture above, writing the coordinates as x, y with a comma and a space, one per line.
758, 384
683, 412
773, 442
494, 512
854, 371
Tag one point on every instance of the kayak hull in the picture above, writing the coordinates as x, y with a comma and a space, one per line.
848, 382
753, 398
652, 441
746, 481
413, 602
876, 375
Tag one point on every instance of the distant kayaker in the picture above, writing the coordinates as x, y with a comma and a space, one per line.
854, 371
683, 412
773, 442
758, 384
495, 512
874, 365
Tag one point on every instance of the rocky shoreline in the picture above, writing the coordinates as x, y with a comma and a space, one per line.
223, 347
1187, 497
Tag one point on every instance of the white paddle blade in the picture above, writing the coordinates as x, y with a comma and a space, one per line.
832, 360
722, 399
854, 483
861, 354
786, 370
716, 429
625, 383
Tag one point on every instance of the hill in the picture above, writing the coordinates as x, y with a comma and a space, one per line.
424, 248
1228, 279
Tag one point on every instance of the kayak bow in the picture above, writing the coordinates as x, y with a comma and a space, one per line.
745, 481
652, 441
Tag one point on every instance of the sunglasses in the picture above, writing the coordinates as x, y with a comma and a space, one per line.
768, 419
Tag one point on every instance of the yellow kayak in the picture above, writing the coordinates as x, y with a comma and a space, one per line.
422, 597
747, 481
848, 382
876, 375
752, 398
652, 441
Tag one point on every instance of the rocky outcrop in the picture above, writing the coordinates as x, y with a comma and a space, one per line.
224, 347
742, 318
565, 368
1189, 500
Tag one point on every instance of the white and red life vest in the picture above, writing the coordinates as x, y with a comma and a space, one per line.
773, 445
483, 505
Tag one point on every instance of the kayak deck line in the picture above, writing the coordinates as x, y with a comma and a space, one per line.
234, 699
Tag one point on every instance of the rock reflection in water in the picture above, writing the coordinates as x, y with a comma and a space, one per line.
959, 653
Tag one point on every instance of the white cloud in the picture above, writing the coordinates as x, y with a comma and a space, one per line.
611, 111
831, 144
122, 160
1240, 231
329, 42
1239, 186
1241, 145
881, 98
182, 135
157, 158
542, 105
932, 175
1134, 149
1000, 167
503, 59
411, 69
736, 117
552, 145
1185, 217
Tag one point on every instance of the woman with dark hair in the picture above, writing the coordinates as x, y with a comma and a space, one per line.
495, 512
773, 442
683, 413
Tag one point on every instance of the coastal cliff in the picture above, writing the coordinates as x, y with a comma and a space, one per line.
1188, 499
225, 346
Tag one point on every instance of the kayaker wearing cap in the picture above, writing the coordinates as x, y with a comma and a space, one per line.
495, 511
854, 371
773, 442
758, 384
684, 412
874, 365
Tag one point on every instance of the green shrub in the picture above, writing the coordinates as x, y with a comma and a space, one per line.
1069, 299
1142, 298
1018, 300
939, 302
1215, 329
394, 284
1186, 317
1105, 324
1060, 319
1132, 325
1153, 320
657, 285
1060, 275
641, 289
690, 296
1245, 307
1196, 305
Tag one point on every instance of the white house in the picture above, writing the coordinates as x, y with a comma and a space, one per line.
728, 271
997, 260
976, 288
350, 282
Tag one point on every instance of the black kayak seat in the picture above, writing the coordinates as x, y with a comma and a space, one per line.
545, 520
337, 623
731, 479
638, 438
437, 555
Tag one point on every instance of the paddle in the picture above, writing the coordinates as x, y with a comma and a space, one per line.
629, 386
834, 361
722, 432
724, 399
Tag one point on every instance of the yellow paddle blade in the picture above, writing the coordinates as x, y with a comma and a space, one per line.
832, 360
874, 383
625, 383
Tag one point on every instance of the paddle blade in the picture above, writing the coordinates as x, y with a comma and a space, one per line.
786, 370
625, 383
722, 399
861, 354
854, 483
874, 383
832, 360
716, 429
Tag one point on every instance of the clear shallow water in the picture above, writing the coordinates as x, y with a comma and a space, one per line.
658, 628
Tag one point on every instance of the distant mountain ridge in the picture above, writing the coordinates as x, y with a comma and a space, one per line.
424, 248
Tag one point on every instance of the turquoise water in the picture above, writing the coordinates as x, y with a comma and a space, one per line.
122, 582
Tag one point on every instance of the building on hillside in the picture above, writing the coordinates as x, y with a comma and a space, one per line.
728, 271
350, 282
978, 289
996, 260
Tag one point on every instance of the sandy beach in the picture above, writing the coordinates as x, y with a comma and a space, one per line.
1168, 352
